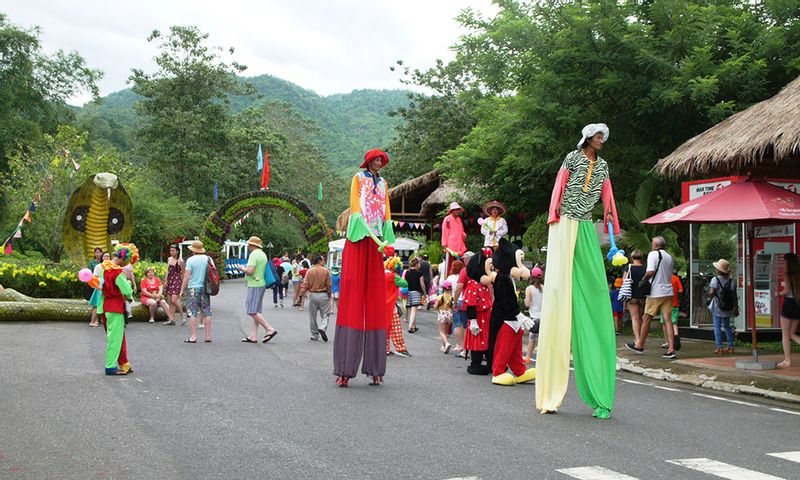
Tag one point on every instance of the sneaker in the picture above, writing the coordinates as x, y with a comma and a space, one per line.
619, 334
632, 347
404, 354
665, 345
389, 354
151, 321
323, 335
670, 355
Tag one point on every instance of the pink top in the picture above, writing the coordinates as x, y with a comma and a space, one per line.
453, 235
146, 286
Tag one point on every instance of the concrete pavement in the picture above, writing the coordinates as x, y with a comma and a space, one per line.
233, 410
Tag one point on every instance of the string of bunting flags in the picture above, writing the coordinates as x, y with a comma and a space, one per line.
7, 247
241, 220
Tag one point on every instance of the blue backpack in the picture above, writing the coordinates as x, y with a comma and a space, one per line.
270, 274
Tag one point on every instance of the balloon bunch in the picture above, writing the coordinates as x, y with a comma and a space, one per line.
86, 276
615, 255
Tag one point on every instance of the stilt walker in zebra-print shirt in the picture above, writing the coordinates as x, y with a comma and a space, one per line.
576, 306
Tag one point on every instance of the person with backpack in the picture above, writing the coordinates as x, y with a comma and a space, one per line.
198, 299
722, 304
255, 274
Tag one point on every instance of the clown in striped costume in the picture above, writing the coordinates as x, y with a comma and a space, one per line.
576, 303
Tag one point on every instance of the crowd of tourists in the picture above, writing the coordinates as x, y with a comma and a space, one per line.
572, 311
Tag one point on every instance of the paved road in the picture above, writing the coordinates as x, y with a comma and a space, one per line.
233, 410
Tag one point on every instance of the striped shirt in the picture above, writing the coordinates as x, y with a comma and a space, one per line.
584, 185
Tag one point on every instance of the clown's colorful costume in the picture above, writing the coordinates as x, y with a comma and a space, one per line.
507, 324
394, 326
361, 320
115, 289
575, 302
477, 300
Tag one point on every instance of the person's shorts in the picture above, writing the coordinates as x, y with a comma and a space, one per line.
534, 331
655, 305
198, 302
414, 298
444, 316
459, 319
335, 295
255, 300
636, 301
617, 315
790, 309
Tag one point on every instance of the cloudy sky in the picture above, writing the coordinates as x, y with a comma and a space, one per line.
329, 46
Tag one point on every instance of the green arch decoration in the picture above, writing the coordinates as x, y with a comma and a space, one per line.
218, 224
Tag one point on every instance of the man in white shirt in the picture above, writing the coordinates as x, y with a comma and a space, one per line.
659, 275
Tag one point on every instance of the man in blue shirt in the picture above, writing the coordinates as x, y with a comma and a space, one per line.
198, 302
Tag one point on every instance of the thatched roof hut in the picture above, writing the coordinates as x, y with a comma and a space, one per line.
405, 199
763, 140
442, 196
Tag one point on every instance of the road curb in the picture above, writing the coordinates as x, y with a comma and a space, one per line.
703, 380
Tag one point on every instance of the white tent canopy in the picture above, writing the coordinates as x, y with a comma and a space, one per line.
399, 244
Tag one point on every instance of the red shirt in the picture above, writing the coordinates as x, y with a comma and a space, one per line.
677, 289
146, 286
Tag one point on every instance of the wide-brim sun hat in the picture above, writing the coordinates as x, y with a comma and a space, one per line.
197, 247
373, 154
593, 129
494, 204
254, 241
454, 206
722, 265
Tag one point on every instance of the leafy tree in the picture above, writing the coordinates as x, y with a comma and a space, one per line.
185, 119
33, 87
297, 166
657, 72
535, 237
432, 124
48, 168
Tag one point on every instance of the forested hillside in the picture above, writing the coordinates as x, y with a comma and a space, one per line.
348, 123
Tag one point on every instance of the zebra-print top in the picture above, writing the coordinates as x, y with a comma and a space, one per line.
584, 185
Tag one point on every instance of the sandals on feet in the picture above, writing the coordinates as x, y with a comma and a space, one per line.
190, 341
247, 340
269, 336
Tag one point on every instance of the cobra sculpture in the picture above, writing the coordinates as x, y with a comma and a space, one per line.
99, 211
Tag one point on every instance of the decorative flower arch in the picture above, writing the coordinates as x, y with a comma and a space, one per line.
218, 224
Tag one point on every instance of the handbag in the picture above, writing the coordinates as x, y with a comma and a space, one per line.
626, 290
646, 284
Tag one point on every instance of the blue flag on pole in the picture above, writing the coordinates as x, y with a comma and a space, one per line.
260, 158
216, 192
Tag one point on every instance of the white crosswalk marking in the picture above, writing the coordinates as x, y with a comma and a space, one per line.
594, 473
722, 469
791, 456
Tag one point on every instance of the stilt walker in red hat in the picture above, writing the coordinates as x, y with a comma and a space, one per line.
361, 320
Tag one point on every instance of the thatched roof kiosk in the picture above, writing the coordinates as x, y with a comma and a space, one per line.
440, 198
405, 199
763, 140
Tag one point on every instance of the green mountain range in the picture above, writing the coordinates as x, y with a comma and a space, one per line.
349, 124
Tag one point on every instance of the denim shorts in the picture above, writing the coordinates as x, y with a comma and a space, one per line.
459, 318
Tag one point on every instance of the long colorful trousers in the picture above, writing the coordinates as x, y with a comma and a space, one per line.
395, 333
361, 319
576, 306
116, 351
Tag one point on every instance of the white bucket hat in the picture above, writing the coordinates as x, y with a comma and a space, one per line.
591, 130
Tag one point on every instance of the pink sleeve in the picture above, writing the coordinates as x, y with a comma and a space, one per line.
609, 206
557, 195
445, 230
